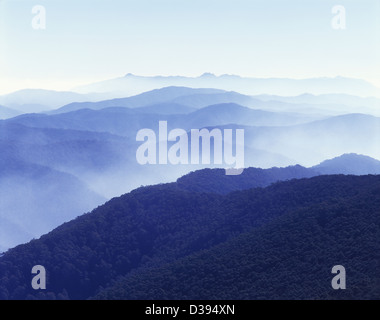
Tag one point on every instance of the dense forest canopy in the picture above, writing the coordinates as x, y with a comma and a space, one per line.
168, 242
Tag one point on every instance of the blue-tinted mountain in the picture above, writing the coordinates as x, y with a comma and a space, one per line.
163, 242
102, 142
38, 100
106, 162
317, 141
157, 96
89, 156
6, 113
230, 113
326, 99
132, 84
288, 258
349, 164
202, 100
127, 122
216, 181
11, 130
327, 105
307, 144
98, 147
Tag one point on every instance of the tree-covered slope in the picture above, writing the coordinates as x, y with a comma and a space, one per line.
289, 258
216, 180
212, 246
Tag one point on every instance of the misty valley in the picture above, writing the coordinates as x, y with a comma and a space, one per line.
115, 197
190, 157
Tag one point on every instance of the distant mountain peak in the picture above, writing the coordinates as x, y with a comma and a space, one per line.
352, 157
350, 163
208, 75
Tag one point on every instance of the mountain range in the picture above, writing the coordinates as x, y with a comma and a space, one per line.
36, 101
329, 104
44, 210
86, 151
306, 201
131, 84
39, 100
126, 122
349, 164
6, 112
92, 149
306, 138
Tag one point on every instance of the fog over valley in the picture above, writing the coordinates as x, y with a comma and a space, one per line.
65, 153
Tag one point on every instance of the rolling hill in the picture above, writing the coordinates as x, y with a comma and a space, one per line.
97, 148
230, 113
349, 164
289, 258
38, 100
6, 113
160, 242
215, 180
317, 141
127, 122
328, 105
326, 99
156, 96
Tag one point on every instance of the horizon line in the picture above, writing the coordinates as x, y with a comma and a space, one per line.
73, 89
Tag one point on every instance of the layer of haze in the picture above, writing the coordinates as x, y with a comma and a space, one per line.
86, 41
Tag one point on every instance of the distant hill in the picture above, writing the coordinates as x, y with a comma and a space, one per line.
279, 242
328, 99
132, 84
349, 164
203, 100
200, 98
157, 96
314, 142
216, 181
127, 122
106, 163
98, 147
88, 155
6, 113
38, 100
10, 130
231, 113
271, 139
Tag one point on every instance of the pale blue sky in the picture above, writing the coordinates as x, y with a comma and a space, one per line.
91, 40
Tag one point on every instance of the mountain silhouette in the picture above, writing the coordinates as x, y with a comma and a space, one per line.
6, 113
349, 164
133, 84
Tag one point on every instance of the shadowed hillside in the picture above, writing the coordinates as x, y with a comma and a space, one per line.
277, 242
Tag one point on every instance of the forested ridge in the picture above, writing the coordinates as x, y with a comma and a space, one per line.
168, 242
